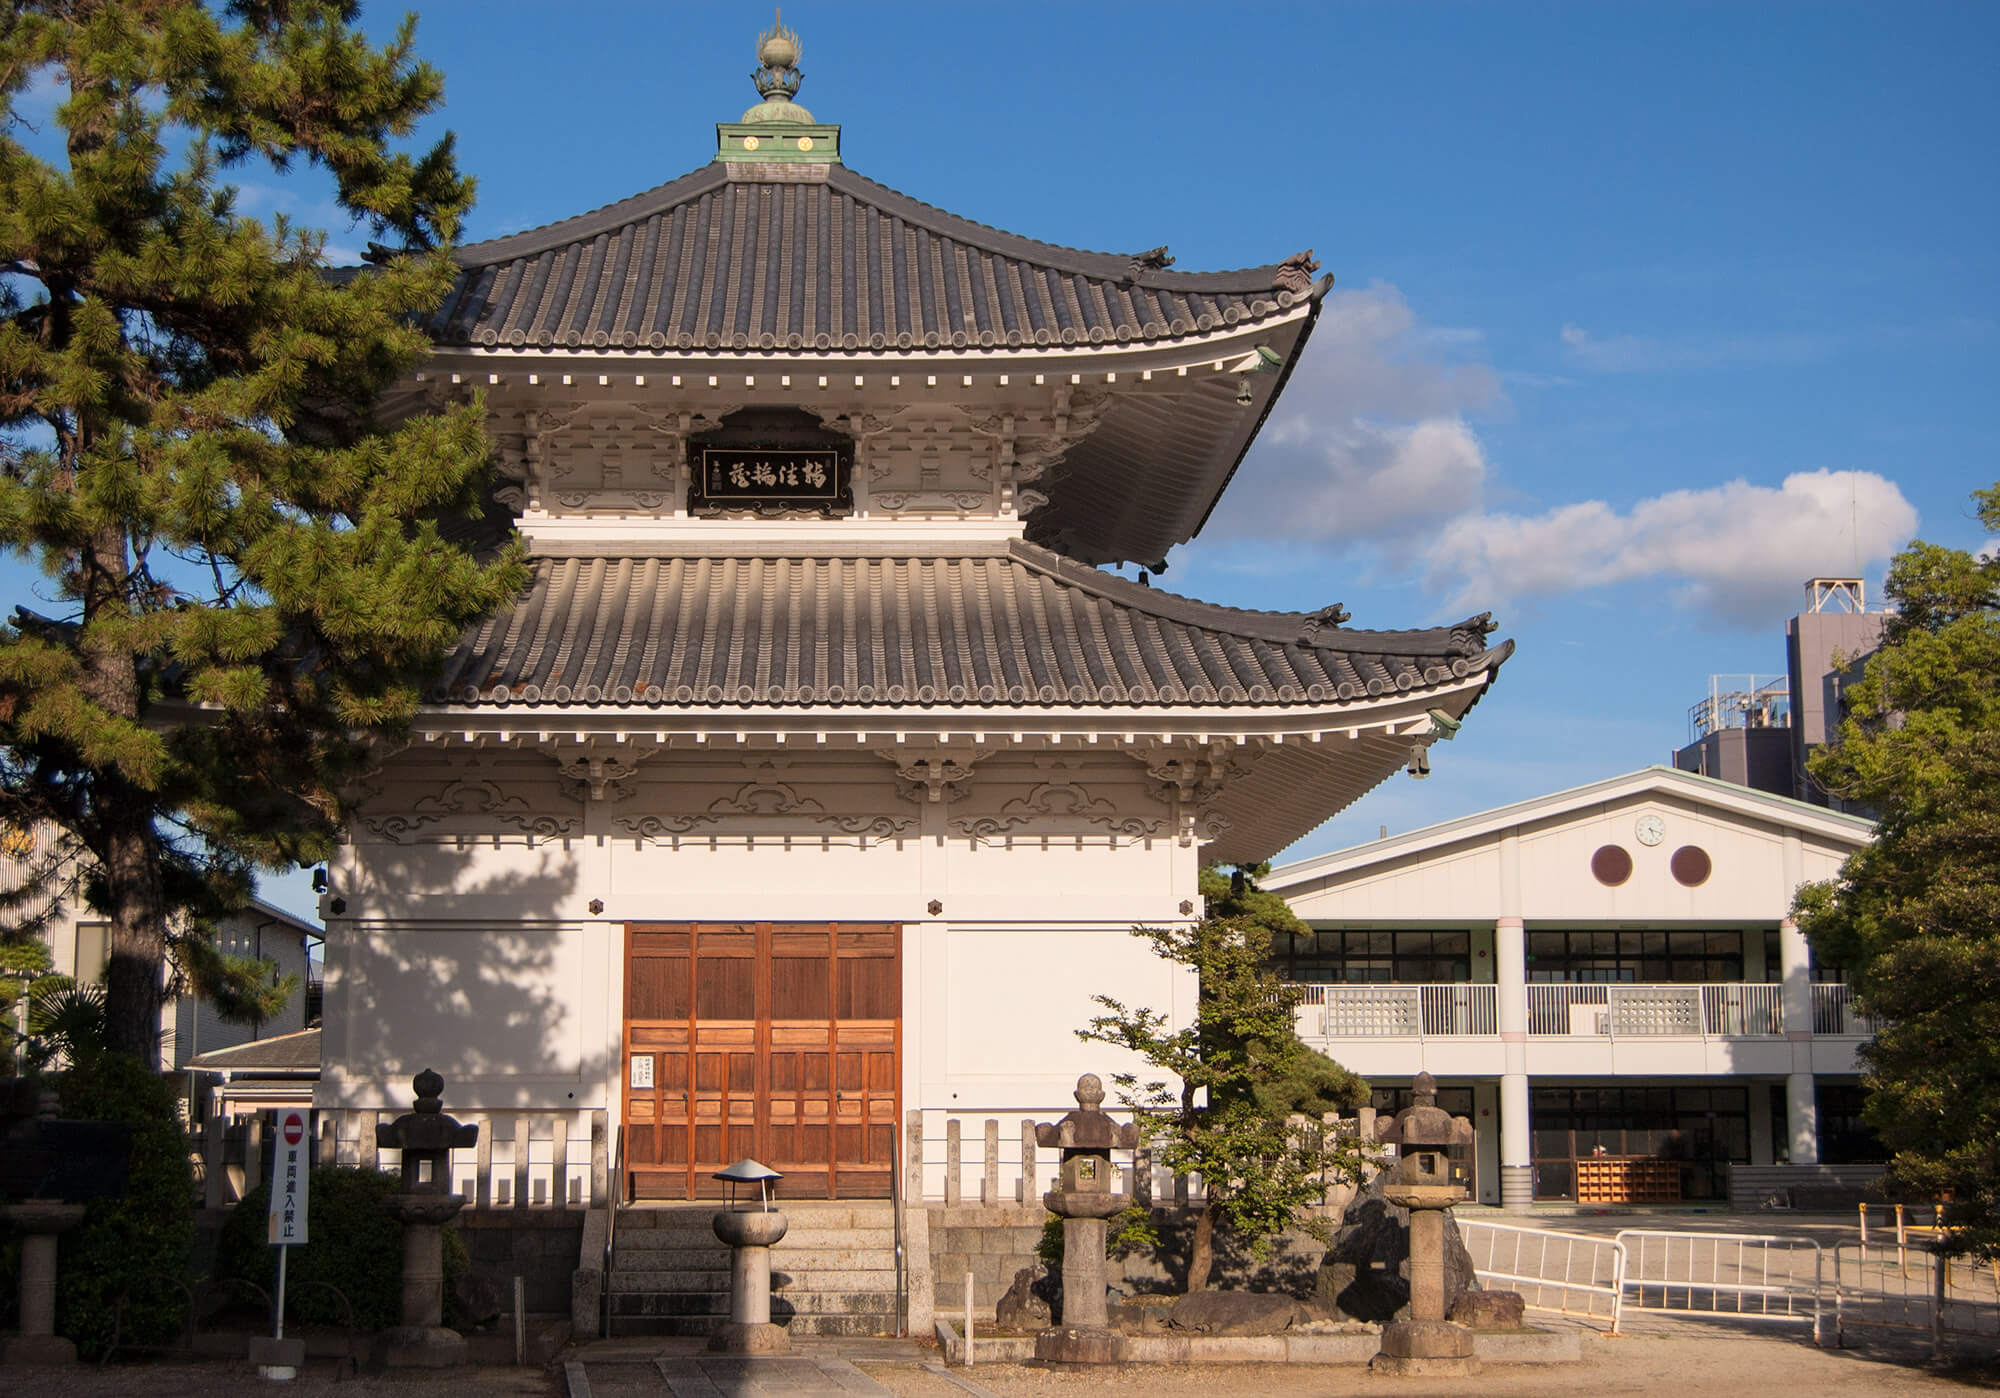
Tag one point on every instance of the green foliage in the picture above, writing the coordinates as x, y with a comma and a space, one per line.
355, 1247
65, 1023
24, 972
1242, 1072
138, 1245
1915, 917
191, 448
1129, 1230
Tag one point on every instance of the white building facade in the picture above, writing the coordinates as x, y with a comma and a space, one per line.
1608, 980
821, 774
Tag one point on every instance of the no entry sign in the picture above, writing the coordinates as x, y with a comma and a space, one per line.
289, 1174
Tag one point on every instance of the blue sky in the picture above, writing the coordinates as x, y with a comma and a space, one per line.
1644, 313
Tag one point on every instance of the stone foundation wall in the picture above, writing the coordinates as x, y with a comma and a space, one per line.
995, 1242
538, 1245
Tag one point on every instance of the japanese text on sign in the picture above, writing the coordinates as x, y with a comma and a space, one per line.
770, 475
291, 1159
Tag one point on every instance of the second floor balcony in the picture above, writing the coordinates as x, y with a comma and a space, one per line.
1460, 1010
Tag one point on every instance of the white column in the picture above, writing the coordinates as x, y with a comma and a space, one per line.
1761, 1152
1510, 975
1795, 971
1802, 1118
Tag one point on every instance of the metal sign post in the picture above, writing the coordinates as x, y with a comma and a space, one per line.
286, 1229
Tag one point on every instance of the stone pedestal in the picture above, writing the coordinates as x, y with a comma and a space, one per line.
38, 1342
749, 1330
422, 1341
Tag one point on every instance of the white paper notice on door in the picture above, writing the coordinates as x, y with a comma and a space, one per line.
642, 1070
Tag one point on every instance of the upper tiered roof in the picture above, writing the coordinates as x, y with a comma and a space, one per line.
714, 261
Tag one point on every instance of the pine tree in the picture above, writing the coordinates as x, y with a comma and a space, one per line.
245, 567
1915, 916
1242, 1075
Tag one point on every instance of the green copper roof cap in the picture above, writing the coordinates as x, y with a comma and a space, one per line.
797, 139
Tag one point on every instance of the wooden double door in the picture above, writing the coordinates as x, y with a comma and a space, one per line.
777, 1041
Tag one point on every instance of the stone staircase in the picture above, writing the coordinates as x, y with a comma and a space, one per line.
834, 1272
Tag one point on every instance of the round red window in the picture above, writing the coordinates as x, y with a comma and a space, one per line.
1691, 865
1612, 864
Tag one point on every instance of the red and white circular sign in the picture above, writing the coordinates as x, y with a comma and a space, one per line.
295, 1127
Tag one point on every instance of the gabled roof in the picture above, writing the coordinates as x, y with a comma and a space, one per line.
840, 263
296, 1052
1724, 797
1012, 628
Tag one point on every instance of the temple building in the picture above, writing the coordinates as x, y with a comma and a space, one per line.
822, 771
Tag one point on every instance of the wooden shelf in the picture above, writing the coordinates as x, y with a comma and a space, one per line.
1627, 1179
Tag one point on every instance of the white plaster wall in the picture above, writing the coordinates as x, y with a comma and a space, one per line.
1463, 881
475, 951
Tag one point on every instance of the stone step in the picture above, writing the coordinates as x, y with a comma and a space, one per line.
806, 1215
783, 1283
795, 1239
823, 1326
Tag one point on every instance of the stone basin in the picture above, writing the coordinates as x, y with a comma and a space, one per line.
1424, 1196
42, 1215
437, 1209
1075, 1203
750, 1230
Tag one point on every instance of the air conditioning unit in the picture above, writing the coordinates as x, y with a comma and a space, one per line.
1590, 1020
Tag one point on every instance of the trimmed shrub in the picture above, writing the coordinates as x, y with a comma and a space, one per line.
138, 1245
355, 1246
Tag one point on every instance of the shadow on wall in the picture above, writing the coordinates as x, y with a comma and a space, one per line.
474, 976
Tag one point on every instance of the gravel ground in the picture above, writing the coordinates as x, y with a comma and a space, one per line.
1684, 1362
1637, 1364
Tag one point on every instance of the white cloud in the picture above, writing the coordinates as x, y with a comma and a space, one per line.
1370, 437
1740, 551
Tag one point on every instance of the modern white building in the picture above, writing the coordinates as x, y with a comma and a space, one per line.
1604, 979
76, 939
822, 772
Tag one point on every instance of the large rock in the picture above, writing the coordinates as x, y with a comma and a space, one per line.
1489, 1310
478, 1299
1236, 1313
1032, 1303
1365, 1274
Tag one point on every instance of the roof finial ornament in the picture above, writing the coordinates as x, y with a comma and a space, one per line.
778, 49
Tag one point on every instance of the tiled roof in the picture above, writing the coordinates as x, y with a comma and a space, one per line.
843, 263
1022, 627
294, 1052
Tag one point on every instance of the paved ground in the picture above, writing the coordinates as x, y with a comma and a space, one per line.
1676, 1358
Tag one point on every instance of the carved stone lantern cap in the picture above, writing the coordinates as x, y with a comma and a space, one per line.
426, 1129
1088, 1128
1423, 1124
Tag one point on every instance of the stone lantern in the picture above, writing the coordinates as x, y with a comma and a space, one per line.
1426, 1343
48, 1170
1083, 1201
750, 1233
426, 1137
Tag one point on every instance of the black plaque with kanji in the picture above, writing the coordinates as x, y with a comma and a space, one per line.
772, 480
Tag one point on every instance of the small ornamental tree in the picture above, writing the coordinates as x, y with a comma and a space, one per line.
245, 567
1914, 918
1243, 1077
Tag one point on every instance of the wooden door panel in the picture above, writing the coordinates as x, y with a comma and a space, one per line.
779, 1042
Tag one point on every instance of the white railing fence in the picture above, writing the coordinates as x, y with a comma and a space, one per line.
1398, 1011
1737, 1276
973, 1162
1574, 1274
1729, 1009
1880, 1286
522, 1160
1834, 1012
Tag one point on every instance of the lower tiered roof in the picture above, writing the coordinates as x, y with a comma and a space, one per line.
1013, 628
